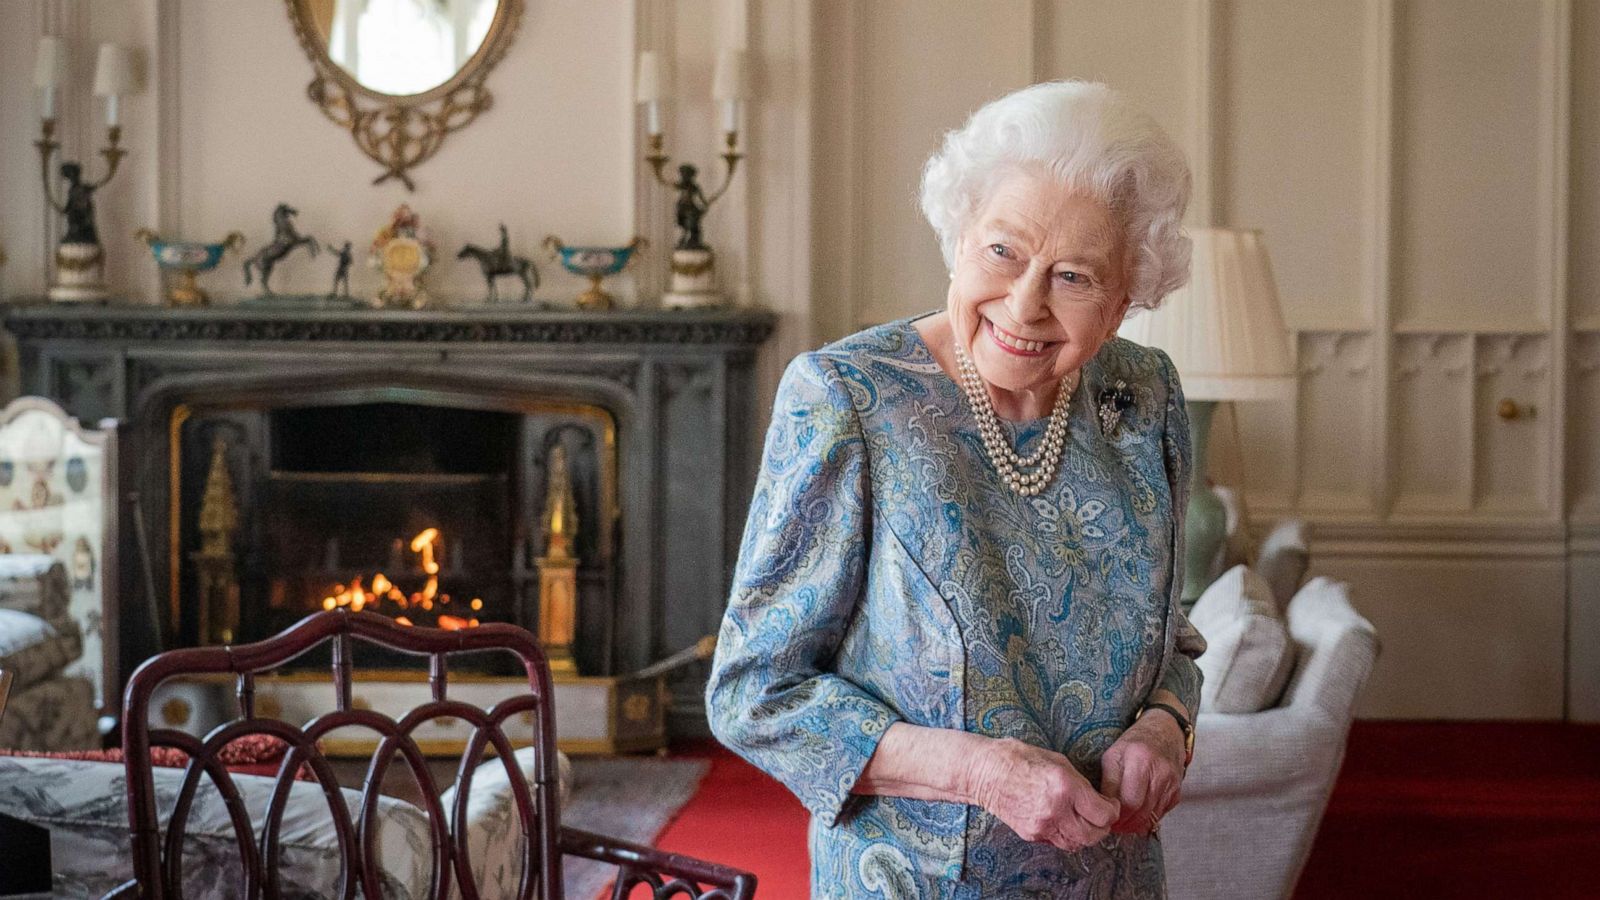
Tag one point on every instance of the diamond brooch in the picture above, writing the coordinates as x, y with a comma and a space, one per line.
1110, 405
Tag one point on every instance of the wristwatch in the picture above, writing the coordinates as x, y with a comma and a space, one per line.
1183, 723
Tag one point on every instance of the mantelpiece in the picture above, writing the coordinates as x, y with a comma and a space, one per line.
678, 386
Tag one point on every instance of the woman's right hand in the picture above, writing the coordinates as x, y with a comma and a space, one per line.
1041, 795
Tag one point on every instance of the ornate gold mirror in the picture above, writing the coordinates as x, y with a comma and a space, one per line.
402, 74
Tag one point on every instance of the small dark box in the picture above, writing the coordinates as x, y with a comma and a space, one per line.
25, 849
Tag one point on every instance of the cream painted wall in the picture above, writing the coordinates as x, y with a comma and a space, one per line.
1426, 172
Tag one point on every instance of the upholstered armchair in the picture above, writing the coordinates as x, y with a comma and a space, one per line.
59, 570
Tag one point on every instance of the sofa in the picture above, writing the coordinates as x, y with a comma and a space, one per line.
1260, 781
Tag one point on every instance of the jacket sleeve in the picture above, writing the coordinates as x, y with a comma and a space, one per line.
1182, 675
772, 696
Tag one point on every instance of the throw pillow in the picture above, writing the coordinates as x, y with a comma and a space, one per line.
1249, 655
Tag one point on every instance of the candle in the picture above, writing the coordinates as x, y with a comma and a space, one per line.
113, 77
48, 69
728, 86
647, 90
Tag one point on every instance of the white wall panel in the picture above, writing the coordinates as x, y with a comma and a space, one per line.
1293, 122
1467, 216
1584, 274
1583, 627
1461, 638
1337, 384
1144, 48
1583, 477
1513, 454
926, 67
1433, 424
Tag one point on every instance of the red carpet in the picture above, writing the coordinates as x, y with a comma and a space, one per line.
1421, 810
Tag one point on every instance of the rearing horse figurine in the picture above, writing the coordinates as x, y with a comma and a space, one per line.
284, 239
500, 261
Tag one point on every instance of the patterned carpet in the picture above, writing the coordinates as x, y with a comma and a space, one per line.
632, 798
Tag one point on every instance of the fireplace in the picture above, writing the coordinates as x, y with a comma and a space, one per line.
331, 440
430, 511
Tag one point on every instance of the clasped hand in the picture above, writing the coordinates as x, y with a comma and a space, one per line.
1043, 797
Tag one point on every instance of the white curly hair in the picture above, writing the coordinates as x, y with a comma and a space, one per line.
1090, 138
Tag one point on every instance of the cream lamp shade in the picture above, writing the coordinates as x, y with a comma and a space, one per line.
50, 66
1223, 330
113, 72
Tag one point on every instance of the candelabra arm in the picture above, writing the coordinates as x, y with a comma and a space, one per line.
658, 159
113, 153
731, 159
48, 146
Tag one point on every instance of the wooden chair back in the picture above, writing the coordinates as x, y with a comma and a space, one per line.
158, 858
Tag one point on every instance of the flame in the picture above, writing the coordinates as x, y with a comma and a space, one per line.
355, 597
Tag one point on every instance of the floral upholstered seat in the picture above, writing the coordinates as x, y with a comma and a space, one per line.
56, 593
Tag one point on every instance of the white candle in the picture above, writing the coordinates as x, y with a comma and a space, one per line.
652, 118
48, 106
112, 110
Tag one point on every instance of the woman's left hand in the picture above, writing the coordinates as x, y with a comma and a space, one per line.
1143, 770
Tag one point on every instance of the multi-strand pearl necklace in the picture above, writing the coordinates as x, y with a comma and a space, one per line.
1041, 464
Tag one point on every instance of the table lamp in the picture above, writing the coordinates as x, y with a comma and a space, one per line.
1225, 333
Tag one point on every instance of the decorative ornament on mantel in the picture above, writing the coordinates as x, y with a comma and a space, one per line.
500, 261
402, 250
286, 238
187, 259
594, 263
80, 260
694, 280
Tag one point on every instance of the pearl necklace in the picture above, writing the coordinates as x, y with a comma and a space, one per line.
1043, 461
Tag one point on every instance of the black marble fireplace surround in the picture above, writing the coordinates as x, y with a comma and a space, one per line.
449, 412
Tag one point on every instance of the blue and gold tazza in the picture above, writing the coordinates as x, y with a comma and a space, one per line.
188, 259
595, 263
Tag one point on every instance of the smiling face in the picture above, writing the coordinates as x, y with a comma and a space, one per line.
1040, 283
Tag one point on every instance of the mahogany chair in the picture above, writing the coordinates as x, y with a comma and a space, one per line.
158, 858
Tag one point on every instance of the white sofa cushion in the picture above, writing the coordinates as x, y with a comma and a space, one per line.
1248, 654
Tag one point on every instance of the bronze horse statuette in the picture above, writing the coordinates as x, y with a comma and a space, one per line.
500, 261
284, 239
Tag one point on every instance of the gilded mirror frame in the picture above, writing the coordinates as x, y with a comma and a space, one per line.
399, 132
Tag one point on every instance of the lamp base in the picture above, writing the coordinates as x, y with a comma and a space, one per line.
694, 280
1205, 525
79, 272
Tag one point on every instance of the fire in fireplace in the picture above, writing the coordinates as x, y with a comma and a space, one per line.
426, 606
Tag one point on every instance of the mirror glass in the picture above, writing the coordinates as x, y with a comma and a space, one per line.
401, 47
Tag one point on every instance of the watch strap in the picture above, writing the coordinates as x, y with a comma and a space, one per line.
1183, 724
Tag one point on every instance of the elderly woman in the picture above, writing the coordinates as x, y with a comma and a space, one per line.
954, 630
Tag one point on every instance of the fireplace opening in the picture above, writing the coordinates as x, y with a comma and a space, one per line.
403, 509
434, 513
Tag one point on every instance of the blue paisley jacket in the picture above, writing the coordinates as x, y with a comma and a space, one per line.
888, 574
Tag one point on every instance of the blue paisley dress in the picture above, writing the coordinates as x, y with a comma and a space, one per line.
888, 574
